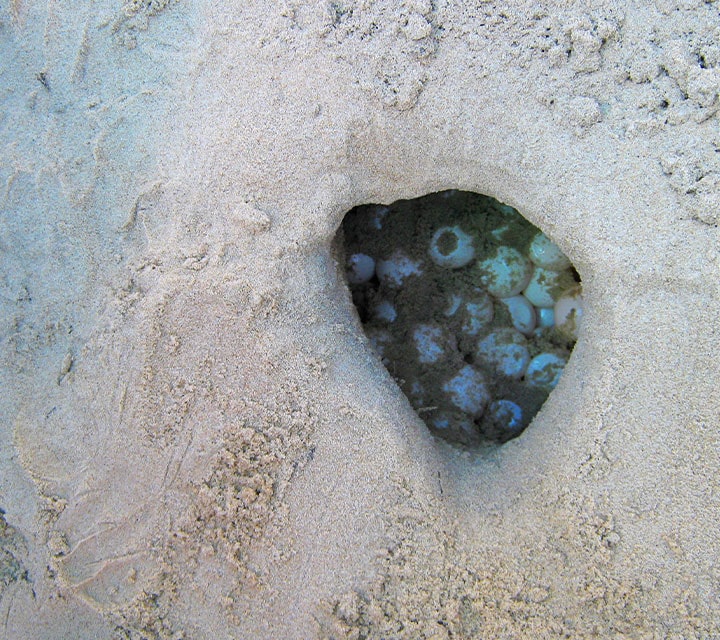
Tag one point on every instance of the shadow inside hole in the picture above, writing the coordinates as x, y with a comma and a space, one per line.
470, 307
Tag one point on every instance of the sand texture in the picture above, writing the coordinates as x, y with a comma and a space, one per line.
197, 440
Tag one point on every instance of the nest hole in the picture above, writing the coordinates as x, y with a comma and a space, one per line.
470, 307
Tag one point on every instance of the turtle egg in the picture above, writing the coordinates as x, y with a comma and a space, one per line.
384, 311
506, 274
545, 370
506, 414
360, 268
455, 427
545, 253
568, 311
429, 343
396, 268
522, 313
468, 391
451, 248
506, 350
545, 317
545, 286
478, 313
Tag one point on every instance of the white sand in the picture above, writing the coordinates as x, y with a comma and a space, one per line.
198, 441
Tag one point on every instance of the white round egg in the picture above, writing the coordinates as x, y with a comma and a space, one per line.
568, 311
545, 370
478, 312
545, 317
468, 391
522, 313
544, 253
455, 427
506, 414
396, 268
546, 286
506, 273
429, 342
360, 268
384, 311
506, 350
451, 248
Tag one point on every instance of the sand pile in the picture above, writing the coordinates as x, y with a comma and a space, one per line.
198, 440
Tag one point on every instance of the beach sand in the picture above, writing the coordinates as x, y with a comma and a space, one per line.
198, 440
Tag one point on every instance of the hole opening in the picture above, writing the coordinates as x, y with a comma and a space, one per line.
471, 308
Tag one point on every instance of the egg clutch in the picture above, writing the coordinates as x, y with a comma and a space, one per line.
472, 309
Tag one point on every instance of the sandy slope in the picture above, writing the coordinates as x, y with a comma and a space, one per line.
198, 441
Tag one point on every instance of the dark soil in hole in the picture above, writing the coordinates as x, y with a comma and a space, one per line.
476, 358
